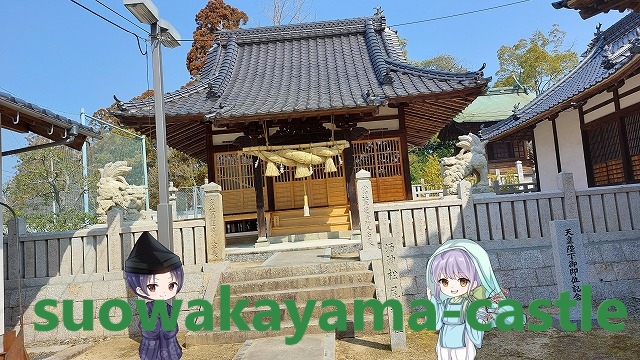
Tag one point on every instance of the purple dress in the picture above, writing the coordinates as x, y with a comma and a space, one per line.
157, 343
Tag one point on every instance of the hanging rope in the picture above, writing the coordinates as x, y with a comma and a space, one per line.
302, 156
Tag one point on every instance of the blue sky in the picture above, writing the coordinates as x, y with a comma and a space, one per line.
61, 57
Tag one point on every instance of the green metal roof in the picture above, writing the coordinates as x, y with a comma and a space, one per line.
495, 105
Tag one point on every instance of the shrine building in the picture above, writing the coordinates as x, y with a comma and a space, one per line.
301, 99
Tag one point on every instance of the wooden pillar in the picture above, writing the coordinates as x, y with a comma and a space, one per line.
271, 198
404, 153
585, 149
258, 186
555, 142
211, 156
350, 179
627, 167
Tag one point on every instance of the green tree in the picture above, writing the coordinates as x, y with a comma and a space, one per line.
48, 188
536, 63
424, 161
213, 17
184, 170
443, 62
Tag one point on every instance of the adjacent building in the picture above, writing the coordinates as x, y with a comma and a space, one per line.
589, 122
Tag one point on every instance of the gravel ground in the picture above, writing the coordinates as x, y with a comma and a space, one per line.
551, 344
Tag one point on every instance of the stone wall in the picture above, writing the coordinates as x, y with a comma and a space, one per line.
198, 284
526, 269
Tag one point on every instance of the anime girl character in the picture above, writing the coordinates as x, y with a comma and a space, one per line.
458, 273
153, 272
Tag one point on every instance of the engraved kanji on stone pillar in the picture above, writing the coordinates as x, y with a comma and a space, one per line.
214, 222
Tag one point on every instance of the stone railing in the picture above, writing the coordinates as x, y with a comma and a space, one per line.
102, 249
515, 230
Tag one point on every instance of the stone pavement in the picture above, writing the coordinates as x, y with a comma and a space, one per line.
310, 347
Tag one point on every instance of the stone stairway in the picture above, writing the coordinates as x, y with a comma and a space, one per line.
340, 280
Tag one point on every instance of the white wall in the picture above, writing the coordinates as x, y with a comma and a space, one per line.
546, 155
605, 110
225, 139
570, 145
628, 85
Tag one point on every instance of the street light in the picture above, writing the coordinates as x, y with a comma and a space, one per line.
162, 33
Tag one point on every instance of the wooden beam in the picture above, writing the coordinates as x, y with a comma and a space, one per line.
369, 110
404, 153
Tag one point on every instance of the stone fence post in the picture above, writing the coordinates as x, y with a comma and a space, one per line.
468, 210
364, 193
565, 183
173, 191
14, 253
519, 171
214, 222
114, 243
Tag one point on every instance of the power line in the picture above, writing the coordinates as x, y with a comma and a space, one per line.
110, 22
129, 21
418, 21
461, 14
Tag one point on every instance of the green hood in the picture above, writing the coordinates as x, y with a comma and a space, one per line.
480, 259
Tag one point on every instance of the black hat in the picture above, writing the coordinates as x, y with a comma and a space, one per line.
149, 256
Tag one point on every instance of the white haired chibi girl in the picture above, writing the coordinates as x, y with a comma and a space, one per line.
458, 273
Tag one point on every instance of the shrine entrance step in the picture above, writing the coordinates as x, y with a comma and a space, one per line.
323, 219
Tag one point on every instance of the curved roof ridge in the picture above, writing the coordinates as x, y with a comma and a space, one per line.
615, 32
222, 78
212, 63
391, 43
375, 54
303, 30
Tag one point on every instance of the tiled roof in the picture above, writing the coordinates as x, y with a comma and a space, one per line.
589, 8
609, 52
293, 69
38, 120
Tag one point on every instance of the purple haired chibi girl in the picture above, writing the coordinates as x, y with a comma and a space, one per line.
153, 272
458, 273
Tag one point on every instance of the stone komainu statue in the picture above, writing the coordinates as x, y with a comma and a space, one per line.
114, 191
471, 160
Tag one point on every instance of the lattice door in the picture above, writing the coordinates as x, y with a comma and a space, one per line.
234, 173
383, 159
632, 124
606, 155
